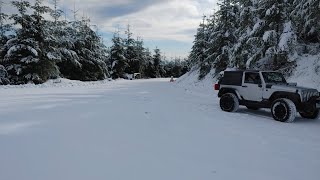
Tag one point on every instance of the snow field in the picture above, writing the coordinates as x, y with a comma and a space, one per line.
147, 129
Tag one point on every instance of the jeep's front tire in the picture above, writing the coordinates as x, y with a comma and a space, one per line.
229, 102
310, 115
283, 110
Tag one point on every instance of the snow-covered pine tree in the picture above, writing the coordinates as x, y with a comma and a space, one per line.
210, 46
14, 65
157, 62
3, 18
56, 12
306, 16
198, 52
3, 76
117, 57
3, 29
149, 69
140, 56
246, 47
224, 37
279, 38
130, 53
26, 59
175, 67
88, 47
63, 36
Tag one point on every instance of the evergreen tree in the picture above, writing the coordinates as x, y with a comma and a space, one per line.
225, 37
55, 12
141, 57
245, 48
3, 29
279, 36
198, 53
90, 52
3, 17
255, 34
157, 62
26, 59
3, 76
131, 53
63, 36
306, 15
149, 69
117, 57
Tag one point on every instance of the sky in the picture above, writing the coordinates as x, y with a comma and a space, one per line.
169, 25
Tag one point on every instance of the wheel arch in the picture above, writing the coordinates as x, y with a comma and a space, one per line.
294, 97
229, 90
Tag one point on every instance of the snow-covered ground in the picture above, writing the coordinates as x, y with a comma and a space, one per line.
146, 130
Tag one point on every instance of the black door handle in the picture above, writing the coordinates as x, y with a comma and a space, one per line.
244, 86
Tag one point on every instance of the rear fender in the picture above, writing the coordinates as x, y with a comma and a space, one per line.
229, 90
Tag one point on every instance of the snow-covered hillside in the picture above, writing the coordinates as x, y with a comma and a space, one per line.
307, 73
147, 129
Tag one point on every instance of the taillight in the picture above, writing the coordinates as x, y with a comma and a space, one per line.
216, 87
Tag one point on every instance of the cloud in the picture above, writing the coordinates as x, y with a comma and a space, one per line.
126, 8
158, 21
153, 20
172, 20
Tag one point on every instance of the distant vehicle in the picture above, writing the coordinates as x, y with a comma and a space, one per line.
267, 89
133, 76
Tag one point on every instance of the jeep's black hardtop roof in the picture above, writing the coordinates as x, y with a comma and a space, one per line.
243, 71
232, 78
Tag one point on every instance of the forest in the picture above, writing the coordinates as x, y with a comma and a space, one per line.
257, 34
37, 44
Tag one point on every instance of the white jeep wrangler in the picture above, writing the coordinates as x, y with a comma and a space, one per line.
267, 89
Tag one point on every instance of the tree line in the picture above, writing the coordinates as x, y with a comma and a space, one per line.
257, 34
37, 45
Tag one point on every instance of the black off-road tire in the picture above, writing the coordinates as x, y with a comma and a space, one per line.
252, 108
310, 115
283, 110
229, 102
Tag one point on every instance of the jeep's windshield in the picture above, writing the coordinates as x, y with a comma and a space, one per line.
274, 77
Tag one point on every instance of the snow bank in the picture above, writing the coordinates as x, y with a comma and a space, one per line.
190, 81
307, 72
61, 82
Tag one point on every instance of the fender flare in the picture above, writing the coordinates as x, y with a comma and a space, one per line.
223, 91
294, 97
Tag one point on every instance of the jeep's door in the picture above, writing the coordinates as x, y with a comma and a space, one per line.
251, 89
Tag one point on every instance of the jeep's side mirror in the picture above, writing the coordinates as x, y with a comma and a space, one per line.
292, 84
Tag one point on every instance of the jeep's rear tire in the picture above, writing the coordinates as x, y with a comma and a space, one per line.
310, 115
252, 108
283, 110
229, 102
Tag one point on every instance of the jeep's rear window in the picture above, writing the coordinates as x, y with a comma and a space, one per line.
232, 78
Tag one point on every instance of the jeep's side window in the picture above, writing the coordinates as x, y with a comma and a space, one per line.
252, 78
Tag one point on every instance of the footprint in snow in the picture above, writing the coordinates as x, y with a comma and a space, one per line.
147, 114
